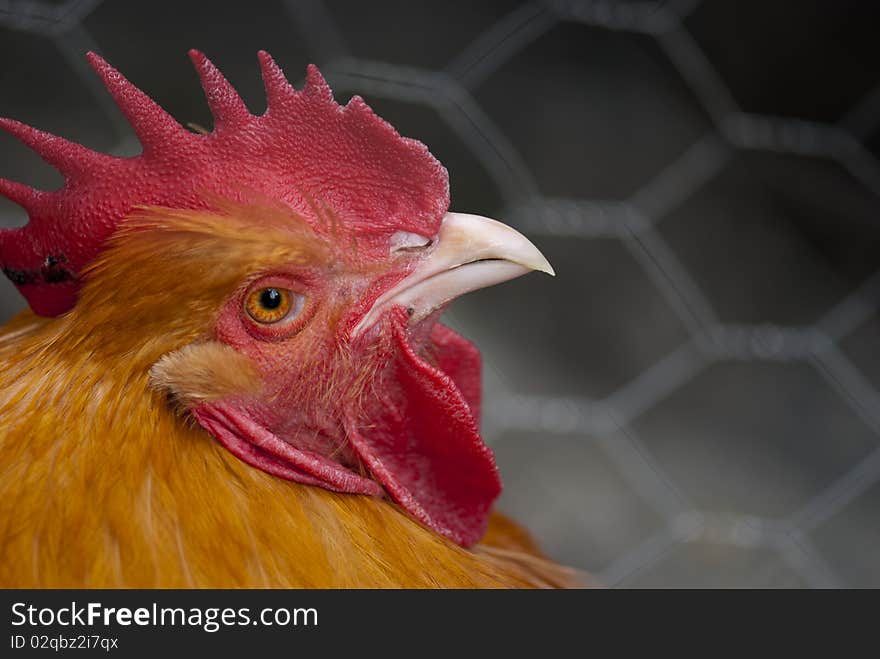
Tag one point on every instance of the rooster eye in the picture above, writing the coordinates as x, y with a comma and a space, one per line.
271, 305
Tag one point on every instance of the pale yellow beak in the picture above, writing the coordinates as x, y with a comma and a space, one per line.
470, 252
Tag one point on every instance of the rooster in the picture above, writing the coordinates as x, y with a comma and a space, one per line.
232, 372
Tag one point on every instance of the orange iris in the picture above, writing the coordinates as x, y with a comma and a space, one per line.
269, 305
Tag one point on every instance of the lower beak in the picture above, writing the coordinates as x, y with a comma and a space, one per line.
470, 252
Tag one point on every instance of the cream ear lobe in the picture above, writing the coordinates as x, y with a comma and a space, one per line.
205, 372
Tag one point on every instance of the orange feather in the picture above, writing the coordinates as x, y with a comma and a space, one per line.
104, 483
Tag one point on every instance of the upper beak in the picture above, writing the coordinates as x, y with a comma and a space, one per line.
470, 252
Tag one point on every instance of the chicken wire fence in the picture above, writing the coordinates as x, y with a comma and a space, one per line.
693, 400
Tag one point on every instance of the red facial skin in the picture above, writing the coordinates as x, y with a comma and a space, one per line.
394, 413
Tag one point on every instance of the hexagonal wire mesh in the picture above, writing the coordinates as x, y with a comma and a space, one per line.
693, 401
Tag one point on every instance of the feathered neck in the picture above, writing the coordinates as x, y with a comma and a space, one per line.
102, 484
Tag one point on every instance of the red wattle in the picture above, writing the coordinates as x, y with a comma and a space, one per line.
421, 438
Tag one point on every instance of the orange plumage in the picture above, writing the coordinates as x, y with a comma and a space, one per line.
246, 383
104, 484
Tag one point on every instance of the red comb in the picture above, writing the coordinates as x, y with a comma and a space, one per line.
304, 148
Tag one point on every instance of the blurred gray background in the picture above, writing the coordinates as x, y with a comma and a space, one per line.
693, 401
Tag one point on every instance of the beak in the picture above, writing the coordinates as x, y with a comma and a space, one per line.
470, 252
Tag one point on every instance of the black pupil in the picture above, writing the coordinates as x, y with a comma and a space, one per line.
270, 298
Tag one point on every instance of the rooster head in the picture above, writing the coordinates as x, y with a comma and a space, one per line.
311, 252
